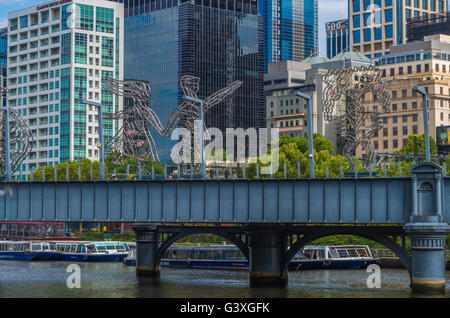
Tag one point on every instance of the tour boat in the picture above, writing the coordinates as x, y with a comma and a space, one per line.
28, 250
230, 257
333, 257
92, 251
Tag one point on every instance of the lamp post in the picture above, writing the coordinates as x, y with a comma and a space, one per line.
100, 135
7, 149
310, 131
202, 140
424, 94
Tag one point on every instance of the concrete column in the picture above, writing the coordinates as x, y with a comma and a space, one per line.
147, 263
266, 250
427, 256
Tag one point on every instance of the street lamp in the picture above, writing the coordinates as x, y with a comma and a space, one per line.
425, 120
310, 131
7, 150
202, 141
100, 135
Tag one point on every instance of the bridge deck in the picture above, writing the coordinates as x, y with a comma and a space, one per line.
347, 200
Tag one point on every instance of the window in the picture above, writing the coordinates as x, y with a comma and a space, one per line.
405, 118
356, 37
388, 15
414, 117
418, 68
356, 21
404, 93
395, 131
395, 143
415, 130
385, 132
405, 130
356, 6
394, 119
404, 106
394, 94
388, 30
385, 144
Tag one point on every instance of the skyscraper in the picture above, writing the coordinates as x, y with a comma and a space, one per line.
376, 25
337, 37
290, 30
58, 54
217, 41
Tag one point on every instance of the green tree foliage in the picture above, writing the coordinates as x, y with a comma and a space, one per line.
295, 150
409, 147
133, 166
72, 166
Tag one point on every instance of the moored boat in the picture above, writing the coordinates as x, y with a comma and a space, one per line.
230, 257
28, 250
92, 251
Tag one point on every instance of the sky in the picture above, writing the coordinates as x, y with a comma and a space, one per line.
328, 10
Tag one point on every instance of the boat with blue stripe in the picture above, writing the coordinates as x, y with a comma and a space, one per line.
230, 257
28, 250
92, 251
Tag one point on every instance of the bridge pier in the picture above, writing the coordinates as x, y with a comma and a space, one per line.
428, 242
267, 248
147, 263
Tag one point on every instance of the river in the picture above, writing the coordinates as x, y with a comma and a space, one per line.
48, 279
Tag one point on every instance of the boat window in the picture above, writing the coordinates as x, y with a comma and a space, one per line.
78, 250
36, 247
73, 247
100, 247
83, 249
332, 253
120, 247
308, 253
53, 246
91, 248
343, 253
67, 248
45, 247
126, 247
362, 252
110, 246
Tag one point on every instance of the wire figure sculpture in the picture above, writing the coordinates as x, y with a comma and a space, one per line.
134, 139
20, 138
358, 125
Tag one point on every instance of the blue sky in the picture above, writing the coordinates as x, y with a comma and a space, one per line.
328, 10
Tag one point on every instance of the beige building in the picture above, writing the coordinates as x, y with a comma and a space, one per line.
376, 25
425, 64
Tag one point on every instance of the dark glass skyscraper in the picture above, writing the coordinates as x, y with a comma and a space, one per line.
219, 41
290, 30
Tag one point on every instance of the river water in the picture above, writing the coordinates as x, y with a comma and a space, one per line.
48, 279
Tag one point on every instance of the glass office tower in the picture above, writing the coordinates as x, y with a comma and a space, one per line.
290, 30
218, 41
337, 37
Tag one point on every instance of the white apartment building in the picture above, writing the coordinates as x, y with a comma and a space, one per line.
58, 54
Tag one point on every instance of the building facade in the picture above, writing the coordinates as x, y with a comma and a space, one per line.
58, 54
376, 25
425, 64
218, 41
419, 27
337, 37
290, 30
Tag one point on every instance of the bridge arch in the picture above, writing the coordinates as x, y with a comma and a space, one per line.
382, 239
232, 236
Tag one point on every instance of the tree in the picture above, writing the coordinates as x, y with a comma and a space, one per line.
410, 149
72, 168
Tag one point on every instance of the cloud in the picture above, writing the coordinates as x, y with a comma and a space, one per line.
330, 10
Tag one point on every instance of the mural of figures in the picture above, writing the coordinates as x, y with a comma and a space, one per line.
134, 139
358, 125
20, 142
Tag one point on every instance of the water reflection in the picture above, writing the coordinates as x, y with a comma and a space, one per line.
48, 279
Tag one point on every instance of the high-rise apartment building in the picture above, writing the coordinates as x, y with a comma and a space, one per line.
376, 25
216, 41
291, 30
337, 37
58, 54
425, 64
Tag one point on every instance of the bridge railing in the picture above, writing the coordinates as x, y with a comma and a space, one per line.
82, 172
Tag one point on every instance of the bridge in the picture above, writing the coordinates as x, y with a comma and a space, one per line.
268, 219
